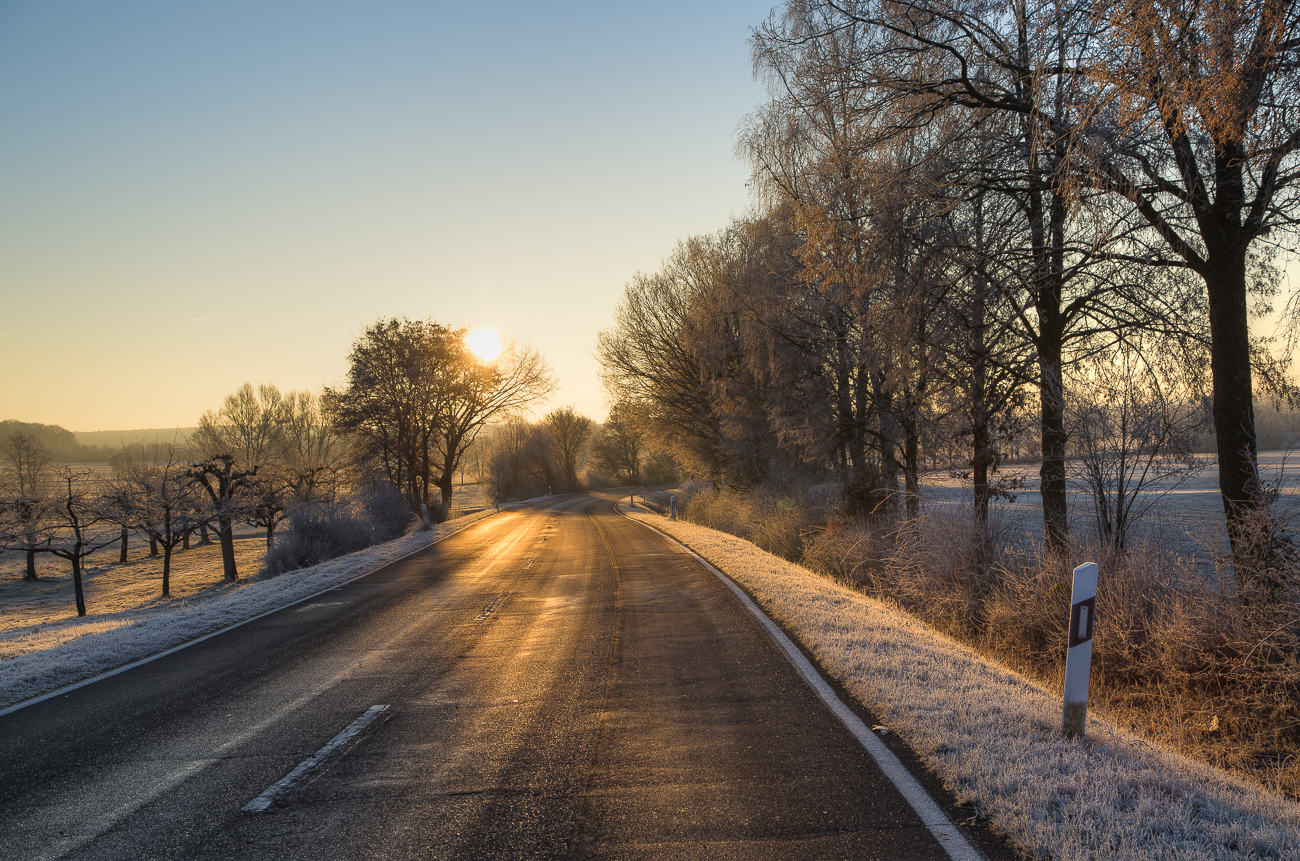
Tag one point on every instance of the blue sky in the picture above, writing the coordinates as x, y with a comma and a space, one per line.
197, 194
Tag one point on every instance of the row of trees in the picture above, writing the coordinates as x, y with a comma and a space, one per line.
971, 218
415, 401
565, 451
417, 397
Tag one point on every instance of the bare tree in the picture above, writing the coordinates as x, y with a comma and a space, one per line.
28, 460
222, 483
248, 426
1132, 425
569, 431
393, 402
160, 500
619, 446
74, 523
1197, 132
478, 392
311, 449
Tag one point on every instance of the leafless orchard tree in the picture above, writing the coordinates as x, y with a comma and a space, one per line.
311, 449
74, 524
223, 483
24, 501
248, 426
159, 499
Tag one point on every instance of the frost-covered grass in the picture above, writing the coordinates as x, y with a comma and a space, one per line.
993, 737
39, 658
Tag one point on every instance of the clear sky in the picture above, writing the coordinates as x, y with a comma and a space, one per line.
198, 194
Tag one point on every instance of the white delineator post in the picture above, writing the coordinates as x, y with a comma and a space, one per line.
1078, 657
672, 508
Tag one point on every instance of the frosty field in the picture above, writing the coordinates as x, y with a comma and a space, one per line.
1188, 517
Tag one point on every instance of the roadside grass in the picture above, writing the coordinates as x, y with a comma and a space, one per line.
993, 736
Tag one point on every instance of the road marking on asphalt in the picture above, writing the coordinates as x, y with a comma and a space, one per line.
931, 815
491, 608
263, 801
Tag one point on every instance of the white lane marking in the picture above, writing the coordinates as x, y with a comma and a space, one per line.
947, 834
122, 669
263, 801
89, 827
491, 608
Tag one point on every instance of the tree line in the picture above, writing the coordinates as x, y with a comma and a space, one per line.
977, 225
344, 467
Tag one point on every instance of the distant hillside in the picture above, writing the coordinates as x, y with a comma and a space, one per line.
115, 439
96, 446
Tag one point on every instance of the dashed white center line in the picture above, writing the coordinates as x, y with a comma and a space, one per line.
263, 801
491, 608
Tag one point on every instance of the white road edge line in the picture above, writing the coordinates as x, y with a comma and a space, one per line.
934, 819
122, 669
263, 801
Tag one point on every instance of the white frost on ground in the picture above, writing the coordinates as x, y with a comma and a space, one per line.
993, 737
93, 646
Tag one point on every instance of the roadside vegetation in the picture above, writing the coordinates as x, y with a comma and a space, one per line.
1040, 232
994, 738
1177, 658
318, 474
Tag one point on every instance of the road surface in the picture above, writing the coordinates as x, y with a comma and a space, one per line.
555, 681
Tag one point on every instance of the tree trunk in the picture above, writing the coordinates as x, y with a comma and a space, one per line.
203, 535
980, 465
912, 467
30, 573
227, 537
121, 557
444, 510
76, 582
167, 570
1056, 530
270, 535
1234, 416
153, 546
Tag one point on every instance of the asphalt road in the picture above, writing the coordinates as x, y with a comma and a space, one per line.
559, 682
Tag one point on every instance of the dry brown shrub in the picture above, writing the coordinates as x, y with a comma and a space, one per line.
779, 520
1176, 656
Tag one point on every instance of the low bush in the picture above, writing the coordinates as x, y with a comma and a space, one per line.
320, 532
779, 520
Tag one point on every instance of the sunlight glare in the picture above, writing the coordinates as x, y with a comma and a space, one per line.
484, 343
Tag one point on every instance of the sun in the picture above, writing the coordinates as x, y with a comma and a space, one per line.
484, 343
